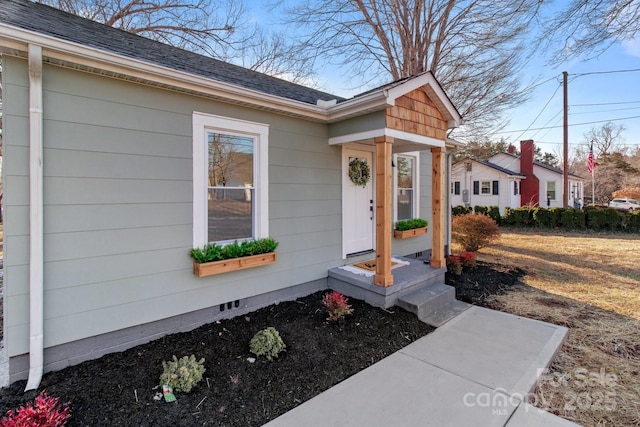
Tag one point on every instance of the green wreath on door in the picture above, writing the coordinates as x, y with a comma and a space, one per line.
359, 172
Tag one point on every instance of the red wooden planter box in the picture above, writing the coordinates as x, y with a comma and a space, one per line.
227, 265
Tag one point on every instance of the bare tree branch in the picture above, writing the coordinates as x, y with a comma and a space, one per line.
207, 26
473, 47
589, 27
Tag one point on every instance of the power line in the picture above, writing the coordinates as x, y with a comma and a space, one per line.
571, 124
605, 103
607, 72
604, 111
541, 111
626, 144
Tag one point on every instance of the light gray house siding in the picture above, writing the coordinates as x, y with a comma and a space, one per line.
367, 122
117, 207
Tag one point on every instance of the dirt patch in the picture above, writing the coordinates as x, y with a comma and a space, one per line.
118, 389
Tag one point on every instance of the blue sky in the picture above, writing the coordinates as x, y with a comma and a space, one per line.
613, 89
617, 93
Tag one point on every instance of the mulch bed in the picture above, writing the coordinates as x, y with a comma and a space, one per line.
476, 285
118, 389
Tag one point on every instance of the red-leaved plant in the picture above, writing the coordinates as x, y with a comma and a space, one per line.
454, 264
336, 305
468, 259
46, 411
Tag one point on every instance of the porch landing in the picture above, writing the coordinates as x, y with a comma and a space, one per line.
418, 288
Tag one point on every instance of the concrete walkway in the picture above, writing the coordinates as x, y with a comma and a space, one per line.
475, 370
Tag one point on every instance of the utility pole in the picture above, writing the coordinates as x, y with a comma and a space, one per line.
565, 151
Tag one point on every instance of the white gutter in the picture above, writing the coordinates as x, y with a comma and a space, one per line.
36, 248
17, 38
95, 59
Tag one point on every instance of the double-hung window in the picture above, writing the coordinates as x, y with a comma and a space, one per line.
406, 186
456, 188
230, 179
551, 190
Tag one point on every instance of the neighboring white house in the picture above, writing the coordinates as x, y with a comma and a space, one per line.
482, 183
507, 179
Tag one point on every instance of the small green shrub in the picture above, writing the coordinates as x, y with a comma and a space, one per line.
411, 224
518, 217
473, 231
460, 210
182, 374
494, 214
632, 222
613, 219
554, 217
215, 252
481, 210
267, 342
572, 219
596, 219
541, 217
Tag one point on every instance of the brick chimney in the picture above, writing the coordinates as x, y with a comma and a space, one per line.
530, 187
511, 149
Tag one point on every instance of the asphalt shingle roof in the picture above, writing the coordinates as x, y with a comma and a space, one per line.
545, 166
49, 21
500, 168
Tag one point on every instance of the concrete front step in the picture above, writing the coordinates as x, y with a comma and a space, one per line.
434, 304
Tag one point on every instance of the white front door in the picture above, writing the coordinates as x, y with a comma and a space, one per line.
357, 205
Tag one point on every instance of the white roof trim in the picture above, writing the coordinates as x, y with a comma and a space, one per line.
16, 40
426, 79
393, 133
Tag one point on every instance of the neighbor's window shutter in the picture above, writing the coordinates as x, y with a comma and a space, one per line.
515, 188
476, 187
496, 186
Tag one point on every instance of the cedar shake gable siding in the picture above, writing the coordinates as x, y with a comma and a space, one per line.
416, 113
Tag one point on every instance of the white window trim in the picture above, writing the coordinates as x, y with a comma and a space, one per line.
555, 190
207, 122
416, 183
490, 193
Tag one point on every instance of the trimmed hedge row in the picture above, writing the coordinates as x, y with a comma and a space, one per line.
569, 219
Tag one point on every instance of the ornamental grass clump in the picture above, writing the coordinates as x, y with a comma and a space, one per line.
45, 411
337, 306
268, 343
182, 374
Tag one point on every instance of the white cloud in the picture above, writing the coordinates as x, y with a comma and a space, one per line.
632, 47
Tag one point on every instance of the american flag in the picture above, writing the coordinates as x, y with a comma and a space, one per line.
591, 162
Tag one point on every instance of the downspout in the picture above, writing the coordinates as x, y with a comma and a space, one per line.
447, 191
36, 248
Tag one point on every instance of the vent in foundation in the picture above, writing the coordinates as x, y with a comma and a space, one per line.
229, 305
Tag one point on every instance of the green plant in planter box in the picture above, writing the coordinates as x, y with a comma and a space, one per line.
411, 224
216, 252
182, 374
267, 342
